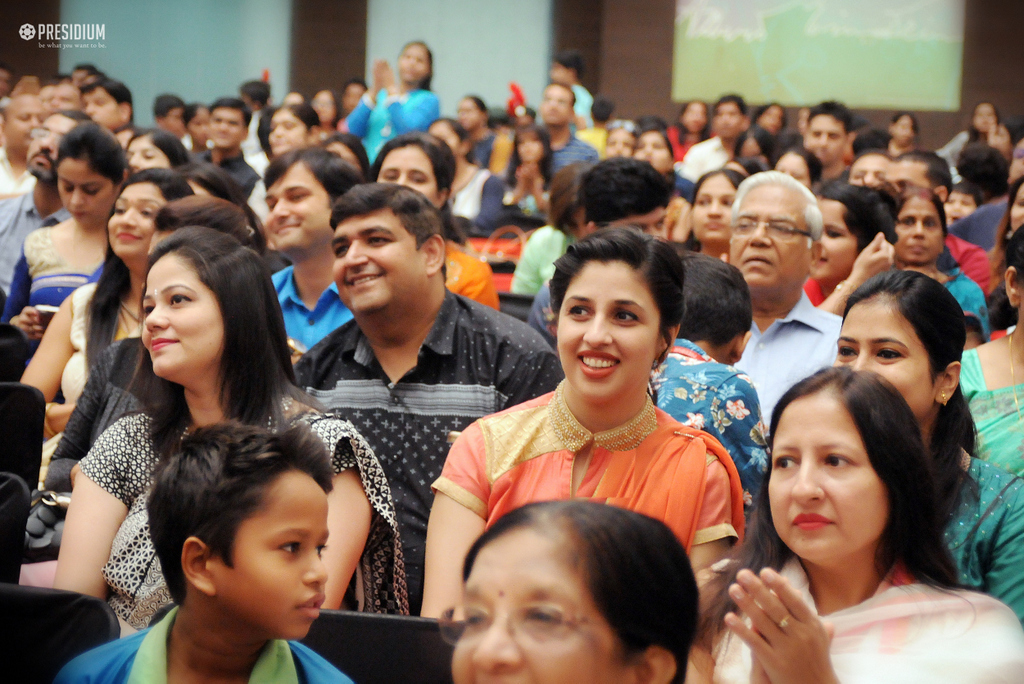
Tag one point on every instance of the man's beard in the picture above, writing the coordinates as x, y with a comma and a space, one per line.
47, 176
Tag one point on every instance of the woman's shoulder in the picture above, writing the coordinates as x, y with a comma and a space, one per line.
39, 243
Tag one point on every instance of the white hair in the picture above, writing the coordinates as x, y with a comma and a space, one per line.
812, 214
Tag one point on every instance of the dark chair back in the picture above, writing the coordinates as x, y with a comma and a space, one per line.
516, 305
43, 629
14, 352
15, 499
22, 410
381, 649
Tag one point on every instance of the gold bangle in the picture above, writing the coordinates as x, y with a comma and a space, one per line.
48, 430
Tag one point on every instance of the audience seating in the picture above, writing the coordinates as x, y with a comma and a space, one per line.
22, 410
43, 629
15, 499
14, 352
382, 649
517, 305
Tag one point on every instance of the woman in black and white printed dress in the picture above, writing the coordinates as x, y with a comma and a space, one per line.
217, 351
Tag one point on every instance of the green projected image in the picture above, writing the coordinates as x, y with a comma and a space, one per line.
869, 53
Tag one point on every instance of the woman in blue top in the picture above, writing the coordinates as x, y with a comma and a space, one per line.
390, 108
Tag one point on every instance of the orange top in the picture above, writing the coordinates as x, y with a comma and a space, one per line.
652, 465
468, 276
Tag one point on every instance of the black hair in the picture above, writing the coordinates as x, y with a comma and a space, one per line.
164, 141
354, 81
986, 167
602, 109
751, 165
928, 196
913, 533
442, 161
192, 109
76, 115
633, 566
163, 104
759, 111
619, 188
477, 101
973, 134
997, 254
263, 129
565, 198
966, 187
116, 89
564, 87
336, 100
115, 280
654, 260
913, 120
871, 139
938, 322
218, 479
716, 301
219, 183
514, 160
253, 394
734, 99
459, 130
98, 147
1015, 253
865, 212
814, 167
765, 140
415, 212
233, 103
837, 110
88, 68
208, 212
424, 84
498, 117
936, 168
257, 91
303, 112
570, 59
355, 145
334, 174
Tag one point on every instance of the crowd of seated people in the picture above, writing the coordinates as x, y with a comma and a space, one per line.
761, 423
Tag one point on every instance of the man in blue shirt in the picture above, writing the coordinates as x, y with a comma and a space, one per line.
301, 187
556, 111
775, 233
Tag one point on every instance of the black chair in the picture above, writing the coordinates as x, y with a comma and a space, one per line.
14, 352
15, 499
515, 305
22, 410
382, 649
41, 630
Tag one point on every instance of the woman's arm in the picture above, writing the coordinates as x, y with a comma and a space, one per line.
47, 365
416, 113
92, 521
348, 526
451, 531
358, 120
876, 258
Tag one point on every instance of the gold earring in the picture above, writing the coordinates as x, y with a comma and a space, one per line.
942, 399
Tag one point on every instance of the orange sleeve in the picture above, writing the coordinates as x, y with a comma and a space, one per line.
464, 476
714, 520
474, 280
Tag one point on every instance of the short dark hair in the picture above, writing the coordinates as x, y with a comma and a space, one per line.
913, 120
837, 110
233, 103
354, 81
163, 104
442, 161
602, 109
865, 211
164, 141
116, 89
219, 183
570, 59
90, 68
304, 112
415, 212
218, 479
355, 145
653, 259
871, 139
814, 167
209, 212
633, 567
565, 196
765, 140
731, 98
257, 91
76, 115
192, 109
98, 147
986, 167
716, 301
334, 174
618, 188
966, 187
936, 168
477, 101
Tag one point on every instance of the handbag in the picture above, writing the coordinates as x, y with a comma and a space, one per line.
45, 525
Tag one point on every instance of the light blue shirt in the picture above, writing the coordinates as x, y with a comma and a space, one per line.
791, 349
301, 324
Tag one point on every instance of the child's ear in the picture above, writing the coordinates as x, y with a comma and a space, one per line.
195, 564
736, 347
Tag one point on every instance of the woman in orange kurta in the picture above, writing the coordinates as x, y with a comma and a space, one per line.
599, 435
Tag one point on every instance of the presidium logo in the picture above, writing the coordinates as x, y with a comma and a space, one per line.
83, 35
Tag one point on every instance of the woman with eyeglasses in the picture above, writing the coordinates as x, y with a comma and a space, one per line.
920, 239
574, 592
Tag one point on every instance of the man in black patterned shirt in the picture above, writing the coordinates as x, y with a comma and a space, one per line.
418, 362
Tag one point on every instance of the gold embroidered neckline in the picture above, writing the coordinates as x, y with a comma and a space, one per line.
623, 438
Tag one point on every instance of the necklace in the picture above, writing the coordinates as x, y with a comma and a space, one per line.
131, 318
1013, 378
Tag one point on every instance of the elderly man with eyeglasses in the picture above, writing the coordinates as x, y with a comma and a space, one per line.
40, 206
776, 225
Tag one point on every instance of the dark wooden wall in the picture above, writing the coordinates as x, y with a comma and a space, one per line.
328, 43
25, 56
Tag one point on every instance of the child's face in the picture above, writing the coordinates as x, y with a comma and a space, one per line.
276, 587
959, 205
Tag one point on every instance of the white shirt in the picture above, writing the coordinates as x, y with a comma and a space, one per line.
9, 185
709, 155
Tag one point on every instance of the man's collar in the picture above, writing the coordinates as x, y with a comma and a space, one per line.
440, 339
806, 313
